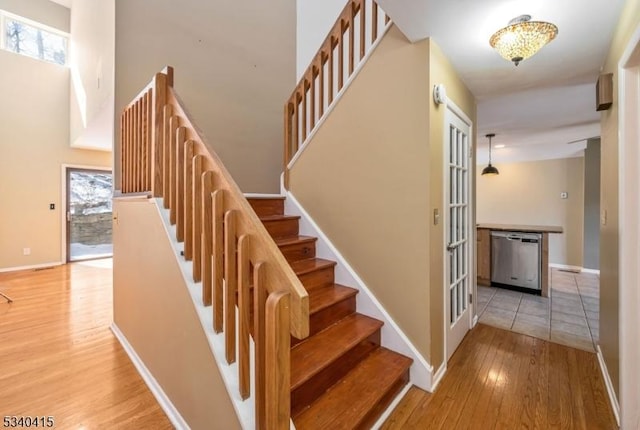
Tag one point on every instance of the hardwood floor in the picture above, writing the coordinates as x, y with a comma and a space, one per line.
503, 380
59, 358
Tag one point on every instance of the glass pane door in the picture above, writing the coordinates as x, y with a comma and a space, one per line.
457, 180
89, 214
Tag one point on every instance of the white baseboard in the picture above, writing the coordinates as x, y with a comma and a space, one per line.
421, 373
155, 388
577, 269
229, 372
593, 271
607, 382
31, 267
392, 406
437, 377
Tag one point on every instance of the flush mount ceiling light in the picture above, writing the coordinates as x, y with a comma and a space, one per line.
522, 38
490, 170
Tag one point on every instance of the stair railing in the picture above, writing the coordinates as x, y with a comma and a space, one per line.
360, 24
162, 152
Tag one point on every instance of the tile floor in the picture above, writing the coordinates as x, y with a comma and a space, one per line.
569, 316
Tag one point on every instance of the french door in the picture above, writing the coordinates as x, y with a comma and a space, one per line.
458, 283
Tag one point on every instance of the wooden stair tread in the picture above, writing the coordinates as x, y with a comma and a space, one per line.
301, 267
275, 218
349, 402
322, 298
315, 353
291, 240
268, 197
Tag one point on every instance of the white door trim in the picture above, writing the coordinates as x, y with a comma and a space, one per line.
628, 232
456, 110
62, 204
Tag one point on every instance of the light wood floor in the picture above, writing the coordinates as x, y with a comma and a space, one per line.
503, 380
59, 358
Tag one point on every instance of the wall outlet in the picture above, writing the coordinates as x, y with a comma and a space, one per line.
26, 251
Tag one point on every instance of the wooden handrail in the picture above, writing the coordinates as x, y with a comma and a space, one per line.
358, 22
163, 152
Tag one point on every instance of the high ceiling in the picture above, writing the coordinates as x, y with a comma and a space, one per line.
65, 3
545, 107
537, 108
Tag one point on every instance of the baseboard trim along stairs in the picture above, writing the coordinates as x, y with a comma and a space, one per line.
341, 375
422, 374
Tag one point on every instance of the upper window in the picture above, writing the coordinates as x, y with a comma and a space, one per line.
32, 39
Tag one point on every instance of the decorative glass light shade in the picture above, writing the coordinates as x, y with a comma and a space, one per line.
490, 170
522, 38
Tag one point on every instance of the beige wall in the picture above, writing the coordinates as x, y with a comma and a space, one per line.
91, 60
153, 309
442, 72
609, 332
235, 67
366, 180
34, 144
529, 193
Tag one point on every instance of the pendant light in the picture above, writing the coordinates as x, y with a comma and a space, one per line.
490, 170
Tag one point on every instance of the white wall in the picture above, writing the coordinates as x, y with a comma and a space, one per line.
529, 193
314, 20
91, 60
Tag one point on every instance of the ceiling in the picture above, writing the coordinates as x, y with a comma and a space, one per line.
545, 107
547, 101
65, 3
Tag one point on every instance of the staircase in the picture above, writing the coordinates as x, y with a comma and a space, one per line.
341, 378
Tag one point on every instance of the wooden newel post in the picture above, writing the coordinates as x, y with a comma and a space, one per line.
278, 367
161, 82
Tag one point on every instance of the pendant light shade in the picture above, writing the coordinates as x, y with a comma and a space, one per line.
522, 38
490, 170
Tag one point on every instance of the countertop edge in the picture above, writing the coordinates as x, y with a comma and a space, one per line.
522, 228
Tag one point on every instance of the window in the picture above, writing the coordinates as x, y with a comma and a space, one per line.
26, 37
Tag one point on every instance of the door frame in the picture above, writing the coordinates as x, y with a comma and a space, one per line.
63, 203
628, 232
452, 108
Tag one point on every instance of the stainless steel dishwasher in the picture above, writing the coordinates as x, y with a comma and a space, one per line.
516, 259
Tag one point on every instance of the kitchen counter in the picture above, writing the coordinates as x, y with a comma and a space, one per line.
484, 250
523, 228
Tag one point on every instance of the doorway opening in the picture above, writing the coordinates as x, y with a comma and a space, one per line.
89, 214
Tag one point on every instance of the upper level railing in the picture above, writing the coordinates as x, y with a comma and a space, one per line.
162, 152
360, 24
